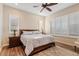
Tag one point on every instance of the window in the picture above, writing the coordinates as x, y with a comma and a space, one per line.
66, 25
13, 25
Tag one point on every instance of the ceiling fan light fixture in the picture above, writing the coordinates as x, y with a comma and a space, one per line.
46, 6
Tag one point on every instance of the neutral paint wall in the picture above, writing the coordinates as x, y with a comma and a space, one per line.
26, 21
1, 15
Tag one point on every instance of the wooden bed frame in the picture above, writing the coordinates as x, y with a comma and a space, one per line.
37, 49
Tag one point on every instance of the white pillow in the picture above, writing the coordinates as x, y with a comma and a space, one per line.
36, 32
27, 33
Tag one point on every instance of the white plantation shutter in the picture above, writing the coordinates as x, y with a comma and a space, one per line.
52, 26
13, 24
66, 25
58, 25
74, 24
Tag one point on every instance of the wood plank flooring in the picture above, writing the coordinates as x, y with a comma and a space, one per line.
16, 51
53, 51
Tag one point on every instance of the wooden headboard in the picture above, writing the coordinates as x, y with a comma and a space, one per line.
21, 30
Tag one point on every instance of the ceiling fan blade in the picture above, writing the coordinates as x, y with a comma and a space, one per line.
42, 9
48, 9
50, 4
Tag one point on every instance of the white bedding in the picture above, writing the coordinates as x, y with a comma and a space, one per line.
35, 40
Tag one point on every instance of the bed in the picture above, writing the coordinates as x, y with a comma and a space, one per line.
33, 41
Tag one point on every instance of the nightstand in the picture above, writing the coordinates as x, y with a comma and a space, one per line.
14, 41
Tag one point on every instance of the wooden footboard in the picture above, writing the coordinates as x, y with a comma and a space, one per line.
40, 48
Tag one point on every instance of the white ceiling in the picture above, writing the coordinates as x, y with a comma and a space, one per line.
28, 7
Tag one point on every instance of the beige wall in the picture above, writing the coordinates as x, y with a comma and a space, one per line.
71, 9
26, 21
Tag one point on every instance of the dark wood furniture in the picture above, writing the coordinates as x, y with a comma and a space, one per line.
40, 48
37, 49
14, 41
21, 31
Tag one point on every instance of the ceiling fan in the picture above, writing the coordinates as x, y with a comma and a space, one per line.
46, 6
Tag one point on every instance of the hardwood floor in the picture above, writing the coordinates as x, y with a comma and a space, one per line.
16, 51
53, 51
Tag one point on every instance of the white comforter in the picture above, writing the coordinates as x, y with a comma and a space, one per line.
35, 40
